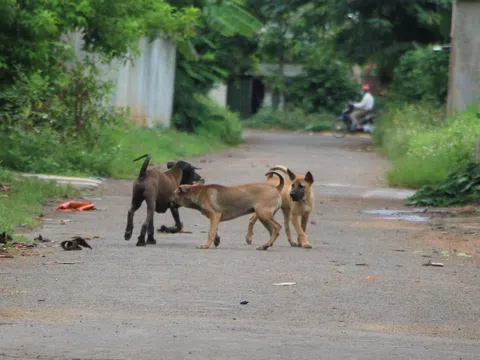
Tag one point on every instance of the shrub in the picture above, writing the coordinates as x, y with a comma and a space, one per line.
324, 84
422, 74
295, 119
459, 188
218, 122
424, 148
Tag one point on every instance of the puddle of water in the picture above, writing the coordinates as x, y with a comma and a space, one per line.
415, 218
403, 214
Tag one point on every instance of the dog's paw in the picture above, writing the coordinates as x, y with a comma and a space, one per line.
293, 244
141, 242
128, 235
263, 247
216, 242
248, 240
306, 246
203, 246
151, 241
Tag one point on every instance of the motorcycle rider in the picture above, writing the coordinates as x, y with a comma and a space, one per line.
363, 107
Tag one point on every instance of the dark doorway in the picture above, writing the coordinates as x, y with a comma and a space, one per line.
258, 95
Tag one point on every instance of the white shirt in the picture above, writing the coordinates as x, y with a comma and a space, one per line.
366, 103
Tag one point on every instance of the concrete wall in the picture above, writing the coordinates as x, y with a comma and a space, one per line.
464, 82
146, 85
219, 94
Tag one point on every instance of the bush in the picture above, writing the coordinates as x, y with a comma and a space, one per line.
323, 86
218, 122
459, 188
296, 119
424, 148
62, 125
422, 74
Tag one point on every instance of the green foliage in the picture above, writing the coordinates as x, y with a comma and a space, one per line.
295, 119
25, 199
459, 188
30, 32
217, 122
383, 30
324, 84
423, 147
163, 144
225, 31
422, 74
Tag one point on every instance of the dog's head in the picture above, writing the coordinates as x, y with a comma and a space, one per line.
184, 196
301, 185
189, 175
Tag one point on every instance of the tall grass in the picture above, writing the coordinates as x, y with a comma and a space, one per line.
25, 199
423, 146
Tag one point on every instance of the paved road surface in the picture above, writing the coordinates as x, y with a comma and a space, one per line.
172, 301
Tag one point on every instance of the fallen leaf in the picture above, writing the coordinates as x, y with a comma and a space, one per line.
464, 255
62, 262
361, 264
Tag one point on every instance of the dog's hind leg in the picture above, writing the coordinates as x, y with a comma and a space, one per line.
273, 228
136, 203
148, 224
251, 224
150, 232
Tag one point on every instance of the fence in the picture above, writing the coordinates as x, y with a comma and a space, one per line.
146, 86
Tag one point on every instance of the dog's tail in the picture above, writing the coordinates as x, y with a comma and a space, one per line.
281, 168
282, 180
143, 170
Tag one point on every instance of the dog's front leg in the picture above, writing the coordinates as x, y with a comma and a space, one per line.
212, 233
286, 218
251, 224
302, 237
178, 224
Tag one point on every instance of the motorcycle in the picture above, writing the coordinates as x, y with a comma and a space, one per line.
344, 123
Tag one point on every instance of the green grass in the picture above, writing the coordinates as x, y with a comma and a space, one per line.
423, 146
164, 145
25, 199
295, 119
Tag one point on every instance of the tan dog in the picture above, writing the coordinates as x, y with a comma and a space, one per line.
297, 201
222, 203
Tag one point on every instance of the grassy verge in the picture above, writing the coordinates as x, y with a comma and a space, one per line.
163, 145
423, 146
23, 199
294, 119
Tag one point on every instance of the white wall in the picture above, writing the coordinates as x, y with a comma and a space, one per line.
219, 94
146, 85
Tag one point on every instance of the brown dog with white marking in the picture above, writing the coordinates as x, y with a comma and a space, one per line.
297, 201
222, 203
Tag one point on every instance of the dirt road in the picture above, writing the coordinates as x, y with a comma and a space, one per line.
360, 293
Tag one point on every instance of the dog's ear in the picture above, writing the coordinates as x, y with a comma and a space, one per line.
291, 175
183, 189
199, 182
309, 177
170, 164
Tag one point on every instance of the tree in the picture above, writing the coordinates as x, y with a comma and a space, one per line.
383, 30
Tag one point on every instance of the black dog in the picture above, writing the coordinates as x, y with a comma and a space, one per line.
156, 188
